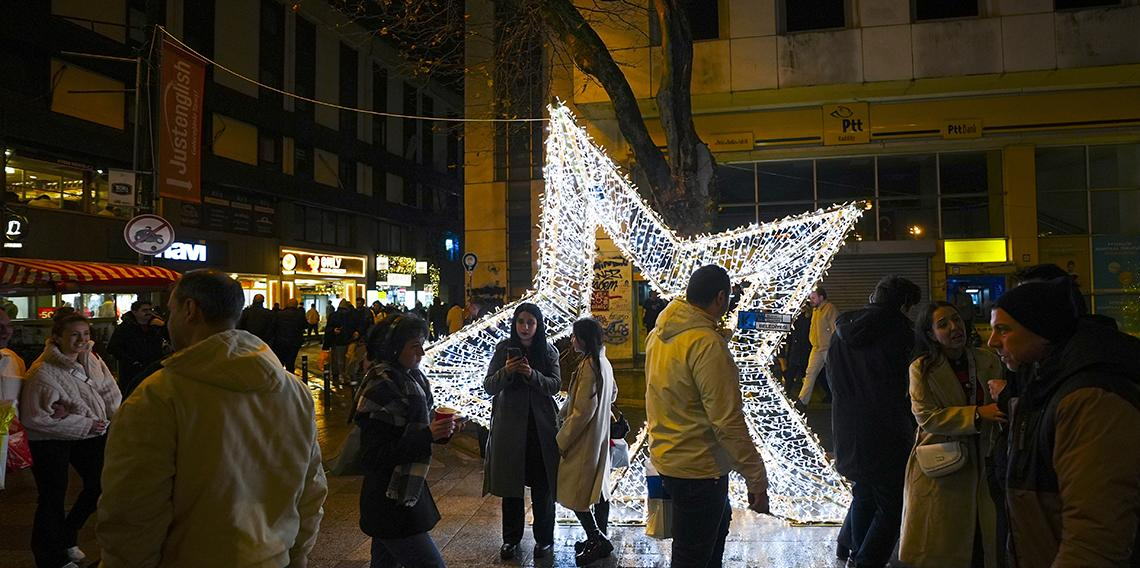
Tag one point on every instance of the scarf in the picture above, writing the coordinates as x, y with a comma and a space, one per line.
400, 398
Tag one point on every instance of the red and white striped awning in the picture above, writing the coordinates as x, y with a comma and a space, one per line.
18, 273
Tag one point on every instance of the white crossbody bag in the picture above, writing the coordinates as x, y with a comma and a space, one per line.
944, 458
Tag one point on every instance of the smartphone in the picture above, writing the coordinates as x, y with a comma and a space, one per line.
514, 353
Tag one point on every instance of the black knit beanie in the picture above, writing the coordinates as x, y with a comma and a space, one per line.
1046, 308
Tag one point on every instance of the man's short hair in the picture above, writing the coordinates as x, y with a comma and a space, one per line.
140, 303
896, 292
708, 281
218, 296
819, 291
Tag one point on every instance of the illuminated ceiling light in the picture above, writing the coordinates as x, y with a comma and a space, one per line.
9, 170
915, 230
777, 264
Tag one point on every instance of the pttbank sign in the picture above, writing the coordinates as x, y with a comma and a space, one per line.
190, 252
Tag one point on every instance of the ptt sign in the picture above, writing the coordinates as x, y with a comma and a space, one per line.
848, 123
190, 252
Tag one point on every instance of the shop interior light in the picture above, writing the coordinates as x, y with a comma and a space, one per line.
777, 264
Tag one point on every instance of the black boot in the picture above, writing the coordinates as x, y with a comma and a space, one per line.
596, 549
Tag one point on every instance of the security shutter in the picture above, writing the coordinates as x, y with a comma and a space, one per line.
852, 277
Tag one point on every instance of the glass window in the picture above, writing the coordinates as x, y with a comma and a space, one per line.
328, 230
942, 9
737, 183
785, 181
1062, 213
1060, 169
973, 216
704, 21
902, 219
968, 172
908, 176
1116, 212
733, 217
804, 15
1078, 4
774, 212
845, 179
1114, 166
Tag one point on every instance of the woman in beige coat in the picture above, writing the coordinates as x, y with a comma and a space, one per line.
948, 521
584, 439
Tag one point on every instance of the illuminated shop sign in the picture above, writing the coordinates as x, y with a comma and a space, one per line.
319, 264
190, 252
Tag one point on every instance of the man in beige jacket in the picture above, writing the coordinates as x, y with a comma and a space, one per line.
213, 460
697, 430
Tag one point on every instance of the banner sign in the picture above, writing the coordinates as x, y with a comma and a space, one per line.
180, 124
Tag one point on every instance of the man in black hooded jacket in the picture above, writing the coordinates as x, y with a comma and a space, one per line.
136, 343
871, 417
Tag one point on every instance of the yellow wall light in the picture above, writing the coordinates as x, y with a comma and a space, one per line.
976, 250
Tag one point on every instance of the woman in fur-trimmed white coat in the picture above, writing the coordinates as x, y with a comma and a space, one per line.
584, 439
66, 405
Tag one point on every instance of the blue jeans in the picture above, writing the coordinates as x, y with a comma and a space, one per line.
872, 526
416, 551
701, 515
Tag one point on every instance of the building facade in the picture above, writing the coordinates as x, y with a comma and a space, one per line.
297, 199
982, 135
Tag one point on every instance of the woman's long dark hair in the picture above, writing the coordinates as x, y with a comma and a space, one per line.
589, 333
536, 353
926, 347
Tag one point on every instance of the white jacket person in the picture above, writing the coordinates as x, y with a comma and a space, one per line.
213, 461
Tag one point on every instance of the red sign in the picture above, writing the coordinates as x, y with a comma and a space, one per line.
180, 127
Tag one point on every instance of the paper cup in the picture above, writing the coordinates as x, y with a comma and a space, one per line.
444, 412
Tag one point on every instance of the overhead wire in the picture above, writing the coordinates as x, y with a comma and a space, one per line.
182, 45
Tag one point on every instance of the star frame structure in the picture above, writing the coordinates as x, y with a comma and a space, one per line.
777, 265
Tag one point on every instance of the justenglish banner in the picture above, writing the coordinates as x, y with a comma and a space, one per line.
180, 126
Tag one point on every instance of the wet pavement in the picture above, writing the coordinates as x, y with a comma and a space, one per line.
469, 534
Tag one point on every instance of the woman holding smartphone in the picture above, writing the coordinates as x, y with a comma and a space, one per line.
523, 378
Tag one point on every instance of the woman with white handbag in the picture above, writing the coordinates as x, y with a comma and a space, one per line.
948, 515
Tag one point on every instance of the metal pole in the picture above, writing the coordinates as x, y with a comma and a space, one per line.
305, 369
327, 398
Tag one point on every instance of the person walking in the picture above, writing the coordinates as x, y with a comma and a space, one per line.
1073, 475
697, 429
872, 422
454, 318
289, 334
651, 306
339, 328
214, 460
823, 318
949, 518
437, 317
66, 406
584, 441
137, 342
522, 379
258, 320
397, 430
313, 319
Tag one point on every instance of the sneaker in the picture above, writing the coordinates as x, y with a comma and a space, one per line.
74, 554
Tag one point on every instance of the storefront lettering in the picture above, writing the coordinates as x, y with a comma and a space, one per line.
192, 252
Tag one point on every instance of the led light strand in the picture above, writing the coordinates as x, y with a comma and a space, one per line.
777, 264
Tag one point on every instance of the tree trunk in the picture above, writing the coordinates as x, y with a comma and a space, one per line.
681, 186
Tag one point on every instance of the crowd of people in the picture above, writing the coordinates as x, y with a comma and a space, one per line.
213, 459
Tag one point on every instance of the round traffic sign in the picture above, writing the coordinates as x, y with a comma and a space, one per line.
148, 234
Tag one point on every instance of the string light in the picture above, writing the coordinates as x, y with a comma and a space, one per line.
776, 263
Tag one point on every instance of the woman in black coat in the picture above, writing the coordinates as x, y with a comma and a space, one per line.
523, 378
396, 434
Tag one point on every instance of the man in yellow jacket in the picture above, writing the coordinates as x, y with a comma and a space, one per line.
697, 430
213, 460
823, 316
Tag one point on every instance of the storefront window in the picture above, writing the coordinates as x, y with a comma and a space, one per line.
908, 197
47, 185
1116, 212
731, 217
736, 183
1062, 213
1114, 167
845, 179
971, 187
785, 181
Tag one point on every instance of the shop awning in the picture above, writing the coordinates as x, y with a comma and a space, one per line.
16, 273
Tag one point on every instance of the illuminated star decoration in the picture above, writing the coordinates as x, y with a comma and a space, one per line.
777, 264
